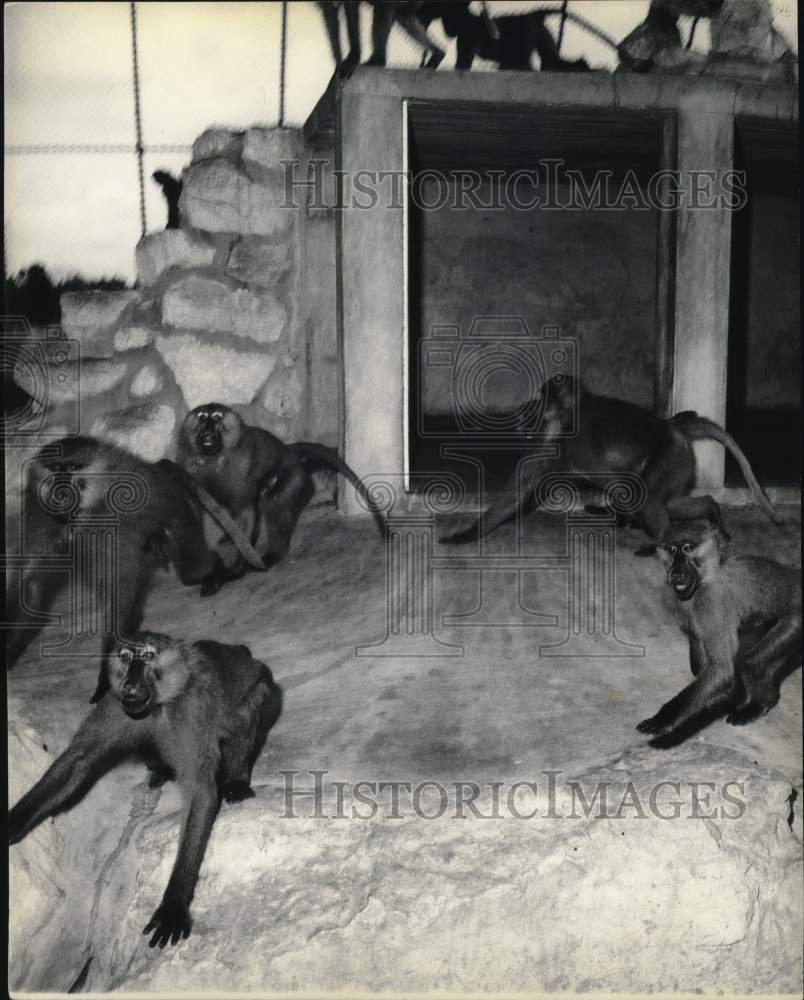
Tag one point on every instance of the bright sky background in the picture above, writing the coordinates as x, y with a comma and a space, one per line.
68, 80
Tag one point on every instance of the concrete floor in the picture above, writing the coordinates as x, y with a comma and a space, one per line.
497, 712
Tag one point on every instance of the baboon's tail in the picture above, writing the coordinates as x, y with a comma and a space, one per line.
319, 456
701, 429
218, 512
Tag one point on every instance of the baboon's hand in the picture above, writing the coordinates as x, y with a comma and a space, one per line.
656, 725
170, 923
661, 728
748, 712
237, 791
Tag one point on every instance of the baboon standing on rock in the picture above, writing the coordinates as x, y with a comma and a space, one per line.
197, 713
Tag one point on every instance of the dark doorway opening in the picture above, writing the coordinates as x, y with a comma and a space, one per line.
763, 407
513, 276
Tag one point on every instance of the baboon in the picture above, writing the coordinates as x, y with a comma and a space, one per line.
171, 189
616, 436
73, 483
384, 13
743, 617
196, 712
510, 41
263, 483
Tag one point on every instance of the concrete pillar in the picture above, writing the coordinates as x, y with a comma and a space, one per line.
372, 258
703, 258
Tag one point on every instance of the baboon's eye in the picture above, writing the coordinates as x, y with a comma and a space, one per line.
687, 547
217, 415
672, 549
148, 654
201, 415
125, 655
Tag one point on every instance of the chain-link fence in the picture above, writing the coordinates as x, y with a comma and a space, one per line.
99, 95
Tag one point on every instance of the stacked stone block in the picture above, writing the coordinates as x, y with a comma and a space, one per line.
217, 313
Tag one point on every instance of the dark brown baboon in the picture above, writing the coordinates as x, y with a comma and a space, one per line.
510, 40
384, 14
743, 618
616, 436
171, 189
263, 483
71, 484
195, 712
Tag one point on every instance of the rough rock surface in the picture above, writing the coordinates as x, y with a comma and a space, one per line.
39, 878
746, 27
672, 885
158, 252
87, 316
282, 395
257, 261
206, 370
404, 904
131, 338
220, 198
57, 862
75, 379
223, 310
146, 430
197, 303
215, 142
267, 147
146, 382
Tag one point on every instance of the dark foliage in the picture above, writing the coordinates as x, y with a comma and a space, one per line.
33, 293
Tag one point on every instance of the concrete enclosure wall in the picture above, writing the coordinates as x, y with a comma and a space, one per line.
379, 131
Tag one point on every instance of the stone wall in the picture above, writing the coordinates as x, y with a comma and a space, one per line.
220, 312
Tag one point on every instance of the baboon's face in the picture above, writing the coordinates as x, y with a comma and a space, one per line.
147, 672
212, 428
59, 486
690, 558
69, 487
